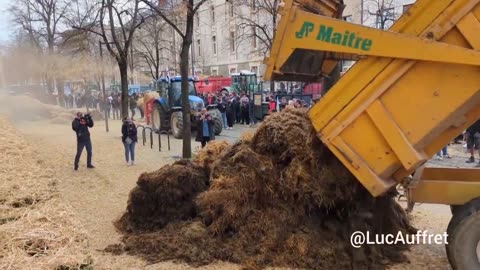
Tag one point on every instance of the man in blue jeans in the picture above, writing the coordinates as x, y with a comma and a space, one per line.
80, 125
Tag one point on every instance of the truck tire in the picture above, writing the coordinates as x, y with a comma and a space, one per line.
176, 122
218, 126
156, 117
463, 248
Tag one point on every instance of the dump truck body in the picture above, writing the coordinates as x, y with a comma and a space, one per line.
413, 89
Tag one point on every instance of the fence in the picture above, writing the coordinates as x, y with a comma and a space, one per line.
159, 133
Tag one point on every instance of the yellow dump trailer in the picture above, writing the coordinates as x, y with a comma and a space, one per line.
413, 89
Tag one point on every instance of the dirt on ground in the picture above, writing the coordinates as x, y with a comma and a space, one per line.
45, 200
272, 201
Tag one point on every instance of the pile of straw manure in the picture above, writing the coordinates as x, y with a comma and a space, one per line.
278, 198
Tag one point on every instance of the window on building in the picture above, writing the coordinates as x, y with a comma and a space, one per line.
254, 5
232, 41
348, 18
406, 7
199, 49
230, 6
214, 43
198, 20
254, 37
212, 12
214, 72
254, 69
233, 70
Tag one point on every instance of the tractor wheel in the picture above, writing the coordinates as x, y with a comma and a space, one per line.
156, 117
176, 122
463, 248
218, 126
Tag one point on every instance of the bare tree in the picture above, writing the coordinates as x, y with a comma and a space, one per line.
381, 13
149, 44
115, 22
258, 19
170, 14
41, 20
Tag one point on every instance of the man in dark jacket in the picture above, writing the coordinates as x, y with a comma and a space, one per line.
80, 125
129, 139
205, 126
473, 140
222, 107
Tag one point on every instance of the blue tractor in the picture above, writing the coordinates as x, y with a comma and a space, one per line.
167, 109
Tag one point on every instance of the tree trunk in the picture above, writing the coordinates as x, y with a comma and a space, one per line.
123, 66
61, 93
187, 131
50, 96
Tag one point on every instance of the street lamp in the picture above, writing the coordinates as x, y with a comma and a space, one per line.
100, 43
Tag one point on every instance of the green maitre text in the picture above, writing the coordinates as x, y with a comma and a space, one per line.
328, 34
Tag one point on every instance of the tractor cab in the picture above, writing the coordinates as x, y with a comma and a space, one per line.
245, 81
170, 89
167, 108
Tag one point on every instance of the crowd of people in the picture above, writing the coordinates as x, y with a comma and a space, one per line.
112, 104
238, 108
234, 108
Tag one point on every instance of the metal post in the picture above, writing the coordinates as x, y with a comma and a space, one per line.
193, 58
103, 88
159, 141
361, 12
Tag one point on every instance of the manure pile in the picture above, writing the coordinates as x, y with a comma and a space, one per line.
276, 198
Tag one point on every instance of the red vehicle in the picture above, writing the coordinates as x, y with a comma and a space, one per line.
213, 84
314, 89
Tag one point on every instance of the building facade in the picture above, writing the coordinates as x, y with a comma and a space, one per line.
223, 42
233, 35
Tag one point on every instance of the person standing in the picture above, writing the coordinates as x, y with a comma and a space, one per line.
133, 105
129, 139
237, 111
473, 140
230, 112
443, 153
116, 107
205, 128
80, 125
244, 105
222, 107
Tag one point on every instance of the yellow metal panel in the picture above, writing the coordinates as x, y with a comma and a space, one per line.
373, 90
315, 32
445, 192
375, 185
419, 106
470, 27
418, 21
369, 144
446, 186
394, 136
451, 174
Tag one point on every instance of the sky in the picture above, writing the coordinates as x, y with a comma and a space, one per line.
5, 24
